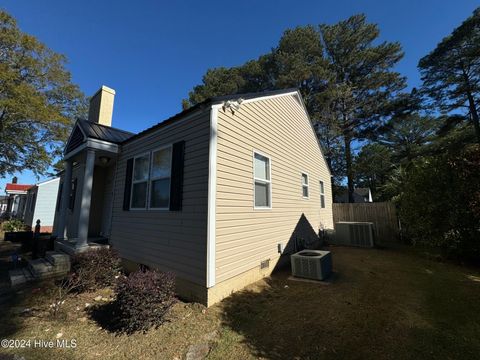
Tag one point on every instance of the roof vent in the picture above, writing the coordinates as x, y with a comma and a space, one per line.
232, 105
101, 106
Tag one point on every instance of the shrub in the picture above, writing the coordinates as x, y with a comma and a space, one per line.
94, 269
440, 205
143, 299
13, 225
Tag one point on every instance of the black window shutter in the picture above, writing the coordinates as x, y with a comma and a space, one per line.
73, 193
176, 181
128, 185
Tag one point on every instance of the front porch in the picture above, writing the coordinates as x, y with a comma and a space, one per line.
86, 188
70, 246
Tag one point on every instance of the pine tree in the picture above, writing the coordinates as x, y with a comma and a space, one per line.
451, 72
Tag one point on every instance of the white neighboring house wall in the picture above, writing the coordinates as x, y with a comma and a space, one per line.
41, 202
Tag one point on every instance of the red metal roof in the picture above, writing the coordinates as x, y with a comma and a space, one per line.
17, 187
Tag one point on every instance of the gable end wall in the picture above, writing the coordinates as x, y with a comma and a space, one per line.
280, 128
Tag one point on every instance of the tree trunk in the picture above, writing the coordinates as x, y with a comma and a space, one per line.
474, 115
348, 163
471, 106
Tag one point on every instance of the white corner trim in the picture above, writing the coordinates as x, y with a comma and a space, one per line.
212, 196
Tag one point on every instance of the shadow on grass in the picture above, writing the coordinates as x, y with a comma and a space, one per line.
11, 300
274, 325
383, 306
106, 316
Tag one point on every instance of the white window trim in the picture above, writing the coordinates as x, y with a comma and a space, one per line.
139, 181
322, 193
269, 182
151, 178
307, 185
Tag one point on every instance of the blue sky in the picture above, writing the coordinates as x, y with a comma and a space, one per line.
153, 52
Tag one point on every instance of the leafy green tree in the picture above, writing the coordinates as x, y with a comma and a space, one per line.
37, 101
439, 201
451, 72
372, 168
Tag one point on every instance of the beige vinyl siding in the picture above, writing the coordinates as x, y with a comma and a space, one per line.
280, 129
168, 240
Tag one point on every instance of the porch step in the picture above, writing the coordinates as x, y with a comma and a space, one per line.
58, 259
43, 269
20, 276
55, 264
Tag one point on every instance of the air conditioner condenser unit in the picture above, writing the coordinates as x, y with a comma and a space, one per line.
312, 264
354, 234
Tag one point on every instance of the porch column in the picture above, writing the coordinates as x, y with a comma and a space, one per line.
67, 186
85, 200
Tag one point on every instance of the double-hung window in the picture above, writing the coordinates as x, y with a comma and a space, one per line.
263, 185
305, 185
160, 178
140, 182
322, 195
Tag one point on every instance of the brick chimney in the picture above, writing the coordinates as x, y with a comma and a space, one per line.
101, 106
14, 180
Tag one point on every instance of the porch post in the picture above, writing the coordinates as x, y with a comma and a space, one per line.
67, 186
85, 200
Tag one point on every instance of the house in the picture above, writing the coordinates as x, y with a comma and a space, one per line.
17, 199
360, 195
3, 204
40, 204
219, 194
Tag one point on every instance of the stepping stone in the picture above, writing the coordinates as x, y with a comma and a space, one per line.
198, 351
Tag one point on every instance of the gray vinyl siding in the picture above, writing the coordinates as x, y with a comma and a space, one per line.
45, 203
168, 240
279, 128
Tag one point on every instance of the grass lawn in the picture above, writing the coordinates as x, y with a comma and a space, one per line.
381, 304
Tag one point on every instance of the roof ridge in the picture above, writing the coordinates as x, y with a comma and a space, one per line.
106, 126
211, 100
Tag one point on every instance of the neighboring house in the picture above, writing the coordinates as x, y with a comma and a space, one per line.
215, 194
17, 199
40, 205
360, 195
3, 204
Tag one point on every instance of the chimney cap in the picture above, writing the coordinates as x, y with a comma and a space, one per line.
103, 88
101, 106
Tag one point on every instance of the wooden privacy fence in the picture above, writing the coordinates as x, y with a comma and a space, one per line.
382, 214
